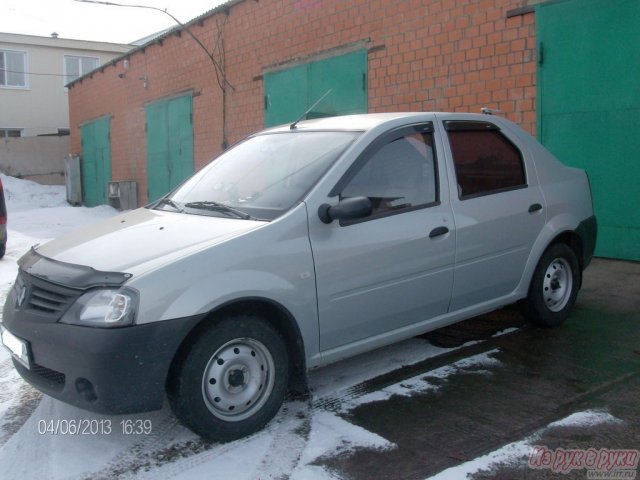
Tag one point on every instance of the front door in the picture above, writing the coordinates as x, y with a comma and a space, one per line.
386, 272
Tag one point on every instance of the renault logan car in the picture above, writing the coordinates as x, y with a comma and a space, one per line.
302, 245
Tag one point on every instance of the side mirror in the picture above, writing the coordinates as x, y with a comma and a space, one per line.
348, 209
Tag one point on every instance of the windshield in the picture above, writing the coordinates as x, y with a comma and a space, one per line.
260, 178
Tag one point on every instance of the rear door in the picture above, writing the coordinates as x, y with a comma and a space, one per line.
385, 272
498, 209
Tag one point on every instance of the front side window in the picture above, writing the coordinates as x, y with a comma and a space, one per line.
13, 69
262, 177
400, 175
75, 67
485, 161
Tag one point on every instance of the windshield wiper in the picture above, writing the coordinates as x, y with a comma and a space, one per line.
171, 203
219, 207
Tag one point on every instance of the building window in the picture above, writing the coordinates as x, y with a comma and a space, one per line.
13, 68
10, 132
75, 67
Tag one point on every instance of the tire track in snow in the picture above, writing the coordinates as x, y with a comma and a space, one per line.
288, 443
165, 456
137, 456
171, 450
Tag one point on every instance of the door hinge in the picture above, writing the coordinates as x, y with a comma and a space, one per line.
540, 53
364, 82
191, 118
266, 102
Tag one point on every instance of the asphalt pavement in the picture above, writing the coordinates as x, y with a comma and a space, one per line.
592, 362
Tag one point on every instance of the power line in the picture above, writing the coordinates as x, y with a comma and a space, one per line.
33, 73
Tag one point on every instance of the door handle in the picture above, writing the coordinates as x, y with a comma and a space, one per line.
438, 231
535, 207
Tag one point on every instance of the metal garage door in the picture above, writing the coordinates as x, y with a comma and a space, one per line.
96, 161
589, 105
169, 144
290, 92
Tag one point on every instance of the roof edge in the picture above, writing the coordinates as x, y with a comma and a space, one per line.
160, 38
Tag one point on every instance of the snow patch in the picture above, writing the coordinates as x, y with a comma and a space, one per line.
587, 418
331, 434
422, 383
517, 452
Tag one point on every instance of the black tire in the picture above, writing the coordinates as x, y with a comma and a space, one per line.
554, 287
3, 249
232, 380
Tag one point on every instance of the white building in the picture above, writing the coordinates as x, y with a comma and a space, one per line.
33, 74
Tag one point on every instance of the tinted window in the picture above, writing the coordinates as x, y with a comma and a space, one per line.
399, 175
485, 162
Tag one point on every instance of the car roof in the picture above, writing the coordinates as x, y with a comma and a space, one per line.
348, 122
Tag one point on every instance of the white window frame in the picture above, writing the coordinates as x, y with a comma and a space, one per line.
25, 73
6, 129
65, 80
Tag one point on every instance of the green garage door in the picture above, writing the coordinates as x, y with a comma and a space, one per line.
289, 93
96, 161
169, 144
589, 105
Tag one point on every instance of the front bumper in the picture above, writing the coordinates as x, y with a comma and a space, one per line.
113, 371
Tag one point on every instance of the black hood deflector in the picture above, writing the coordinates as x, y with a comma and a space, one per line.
69, 274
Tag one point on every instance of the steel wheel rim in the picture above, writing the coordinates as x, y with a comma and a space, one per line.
238, 379
557, 285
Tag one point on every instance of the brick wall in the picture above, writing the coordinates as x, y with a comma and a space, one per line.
443, 55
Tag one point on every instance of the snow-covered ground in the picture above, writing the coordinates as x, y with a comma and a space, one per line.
302, 433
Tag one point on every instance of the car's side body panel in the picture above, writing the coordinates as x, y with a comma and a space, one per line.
381, 274
495, 231
274, 262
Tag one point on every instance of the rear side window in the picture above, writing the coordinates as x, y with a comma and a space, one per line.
485, 160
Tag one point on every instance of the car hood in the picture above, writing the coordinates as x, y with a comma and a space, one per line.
124, 242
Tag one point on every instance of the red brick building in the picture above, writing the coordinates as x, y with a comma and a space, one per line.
420, 55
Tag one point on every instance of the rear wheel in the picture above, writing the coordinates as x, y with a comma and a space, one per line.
232, 381
554, 287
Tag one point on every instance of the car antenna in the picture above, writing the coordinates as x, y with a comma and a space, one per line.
294, 124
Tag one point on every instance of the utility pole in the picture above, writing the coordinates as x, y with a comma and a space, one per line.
218, 66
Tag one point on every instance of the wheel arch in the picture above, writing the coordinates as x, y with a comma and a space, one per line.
274, 313
574, 241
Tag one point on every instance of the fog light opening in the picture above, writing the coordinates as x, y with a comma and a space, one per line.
86, 390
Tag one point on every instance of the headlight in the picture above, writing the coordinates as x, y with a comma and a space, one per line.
103, 308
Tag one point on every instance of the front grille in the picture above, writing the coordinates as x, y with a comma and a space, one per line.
52, 376
43, 297
48, 301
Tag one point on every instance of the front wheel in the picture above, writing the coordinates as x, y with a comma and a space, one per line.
554, 287
232, 381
